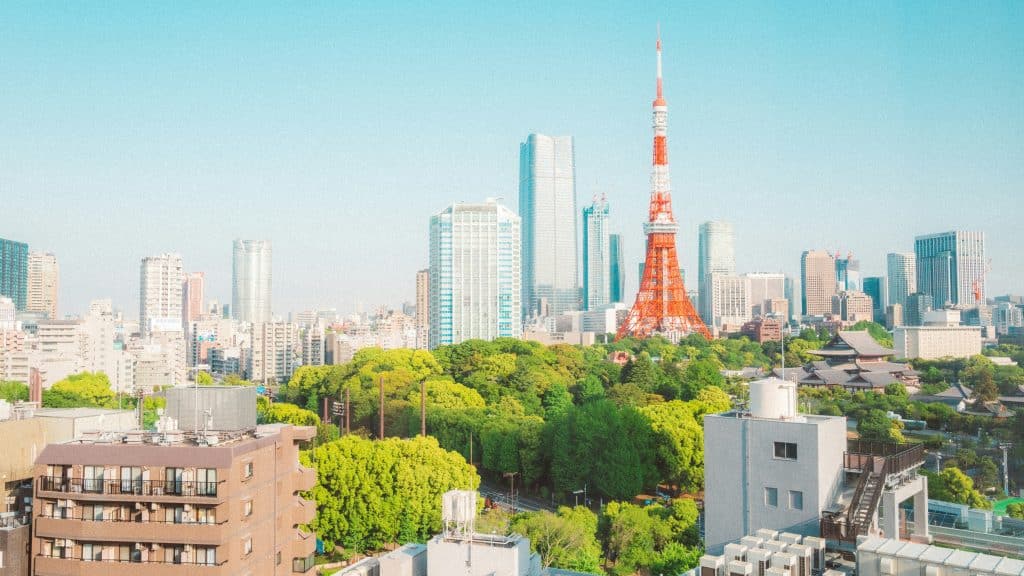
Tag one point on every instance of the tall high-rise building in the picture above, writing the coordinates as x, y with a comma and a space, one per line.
596, 256
423, 308
874, 286
728, 302
252, 276
848, 274
918, 304
763, 287
616, 270
275, 352
715, 254
14, 272
951, 267
475, 273
818, 282
43, 283
193, 294
547, 205
901, 268
160, 298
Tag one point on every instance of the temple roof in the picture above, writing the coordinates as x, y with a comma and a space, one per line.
850, 344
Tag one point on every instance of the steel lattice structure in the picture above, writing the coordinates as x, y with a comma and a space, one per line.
662, 306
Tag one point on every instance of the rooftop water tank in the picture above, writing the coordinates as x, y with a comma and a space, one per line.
773, 398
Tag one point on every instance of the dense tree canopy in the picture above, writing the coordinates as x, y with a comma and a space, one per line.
13, 391
370, 493
86, 389
566, 539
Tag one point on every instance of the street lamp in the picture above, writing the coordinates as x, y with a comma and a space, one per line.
577, 493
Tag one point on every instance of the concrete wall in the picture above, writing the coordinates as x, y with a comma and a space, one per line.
740, 464
481, 558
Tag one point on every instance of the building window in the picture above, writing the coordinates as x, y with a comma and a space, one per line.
771, 497
246, 508
277, 561
92, 479
206, 481
796, 500
246, 547
173, 480
785, 450
247, 470
303, 565
129, 553
206, 515
174, 514
92, 552
92, 512
206, 555
173, 554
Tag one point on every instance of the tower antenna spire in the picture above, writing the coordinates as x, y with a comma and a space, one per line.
660, 99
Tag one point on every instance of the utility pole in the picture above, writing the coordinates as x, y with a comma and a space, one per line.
423, 407
470, 447
381, 408
512, 489
1005, 447
347, 411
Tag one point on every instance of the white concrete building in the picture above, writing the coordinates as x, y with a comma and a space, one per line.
890, 557
770, 468
604, 320
762, 289
275, 352
942, 336
43, 283
728, 303
160, 298
715, 254
901, 268
475, 274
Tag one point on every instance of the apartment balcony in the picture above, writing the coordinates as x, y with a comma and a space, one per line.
51, 566
130, 490
303, 512
127, 531
303, 544
305, 479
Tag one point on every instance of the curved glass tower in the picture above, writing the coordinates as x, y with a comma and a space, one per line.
251, 280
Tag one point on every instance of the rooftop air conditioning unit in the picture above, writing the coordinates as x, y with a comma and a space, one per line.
736, 552
737, 568
886, 566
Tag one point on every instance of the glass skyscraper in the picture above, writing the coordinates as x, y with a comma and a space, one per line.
252, 277
848, 274
475, 273
616, 271
596, 256
14, 272
715, 255
951, 266
547, 205
874, 286
901, 268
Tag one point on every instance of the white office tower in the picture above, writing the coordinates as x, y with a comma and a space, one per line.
43, 283
715, 255
251, 267
762, 289
160, 298
901, 268
951, 267
547, 205
99, 327
770, 468
728, 300
7, 314
474, 273
597, 263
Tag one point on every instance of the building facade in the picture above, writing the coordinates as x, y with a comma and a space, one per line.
423, 308
848, 273
726, 300
43, 284
193, 296
951, 267
174, 505
763, 287
818, 282
547, 206
596, 256
715, 254
251, 280
160, 301
771, 467
274, 353
852, 306
14, 272
942, 336
616, 270
901, 269
874, 286
474, 273
917, 305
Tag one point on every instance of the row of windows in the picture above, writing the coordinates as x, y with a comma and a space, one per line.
796, 498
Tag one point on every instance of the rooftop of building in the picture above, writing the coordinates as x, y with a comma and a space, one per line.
847, 343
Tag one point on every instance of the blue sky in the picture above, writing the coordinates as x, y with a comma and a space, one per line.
337, 129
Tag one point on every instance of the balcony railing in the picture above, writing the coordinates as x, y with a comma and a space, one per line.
81, 558
860, 455
117, 516
128, 487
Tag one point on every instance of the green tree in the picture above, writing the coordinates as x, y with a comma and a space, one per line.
446, 393
289, 414
877, 331
203, 378
566, 539
679, 441
13, 391
699, 375
952, 485
85, 389
1015, 510
374, 492
875, 425
641, 372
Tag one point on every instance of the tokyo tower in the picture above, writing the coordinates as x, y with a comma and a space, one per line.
662, 306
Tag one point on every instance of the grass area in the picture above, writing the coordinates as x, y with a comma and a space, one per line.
1000, 506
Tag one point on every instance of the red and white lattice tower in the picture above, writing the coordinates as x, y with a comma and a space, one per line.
662, 306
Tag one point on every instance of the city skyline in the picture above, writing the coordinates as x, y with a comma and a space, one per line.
884, 127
